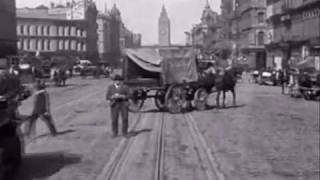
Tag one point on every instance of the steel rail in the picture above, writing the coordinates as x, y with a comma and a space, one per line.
159, 166
213, 171
120, 155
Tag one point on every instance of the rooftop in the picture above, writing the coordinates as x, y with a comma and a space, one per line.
42, 13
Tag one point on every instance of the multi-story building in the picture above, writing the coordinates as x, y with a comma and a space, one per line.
208, 34
113, 36
294, 31
68, 30
249, 31
8, 37
104, 35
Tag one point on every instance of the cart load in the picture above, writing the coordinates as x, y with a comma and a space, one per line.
169, 75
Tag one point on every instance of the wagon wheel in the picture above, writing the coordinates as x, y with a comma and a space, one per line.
159, 99
175, 99
200, 99
136, 101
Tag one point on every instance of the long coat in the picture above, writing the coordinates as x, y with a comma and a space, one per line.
41, 102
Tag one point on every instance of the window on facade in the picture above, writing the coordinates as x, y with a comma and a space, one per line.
66, 31
42, 44
66, 44
19, 44
48, 30
22, 29
78, 32
42, 30
27, 44
31, 44
38, 44
73, 31
260, 17
261, 38
79, 46
18, 30
48, 45
60, 31
28, 30
60, 44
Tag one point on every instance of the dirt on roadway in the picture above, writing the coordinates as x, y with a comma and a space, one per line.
268, 136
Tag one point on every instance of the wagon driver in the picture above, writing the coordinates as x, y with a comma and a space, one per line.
118, 95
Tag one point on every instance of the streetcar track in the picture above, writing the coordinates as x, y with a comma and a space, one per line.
120, 156
213, 171
159, 168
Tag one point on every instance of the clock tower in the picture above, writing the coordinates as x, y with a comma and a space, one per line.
164, 28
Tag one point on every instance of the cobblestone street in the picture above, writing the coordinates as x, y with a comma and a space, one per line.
266, 136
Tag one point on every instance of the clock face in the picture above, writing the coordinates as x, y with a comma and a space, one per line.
163, 31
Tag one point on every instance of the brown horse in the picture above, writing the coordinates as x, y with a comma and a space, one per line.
225, 81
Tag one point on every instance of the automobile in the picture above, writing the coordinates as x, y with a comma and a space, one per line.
268, 78
255, 76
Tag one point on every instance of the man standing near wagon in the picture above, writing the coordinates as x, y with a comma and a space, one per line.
118, 95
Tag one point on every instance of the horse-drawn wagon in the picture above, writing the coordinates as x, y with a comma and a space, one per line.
168, 75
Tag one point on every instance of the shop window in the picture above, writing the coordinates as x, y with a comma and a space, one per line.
260, 17
261, 38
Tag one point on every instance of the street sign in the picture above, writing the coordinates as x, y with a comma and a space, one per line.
77, 11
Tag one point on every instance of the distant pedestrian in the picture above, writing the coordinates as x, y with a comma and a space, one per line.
41, 109
282, 80
118, 95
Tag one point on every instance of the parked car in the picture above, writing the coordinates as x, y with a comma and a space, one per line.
268, 78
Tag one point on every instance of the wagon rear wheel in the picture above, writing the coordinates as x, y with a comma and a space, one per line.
159, 99
175, 99
200, 99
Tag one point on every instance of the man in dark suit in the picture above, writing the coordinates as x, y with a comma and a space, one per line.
118, 95
41, 109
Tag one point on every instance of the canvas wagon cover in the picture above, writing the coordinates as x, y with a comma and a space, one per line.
146, 58
176, 64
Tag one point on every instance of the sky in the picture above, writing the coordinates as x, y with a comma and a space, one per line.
141, 16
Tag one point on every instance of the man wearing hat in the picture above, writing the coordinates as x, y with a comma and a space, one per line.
41, 109
118, 95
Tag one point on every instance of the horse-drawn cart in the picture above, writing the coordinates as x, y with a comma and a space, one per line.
170, 76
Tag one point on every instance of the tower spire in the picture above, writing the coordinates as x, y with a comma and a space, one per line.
164, 11
105, 7
207, 4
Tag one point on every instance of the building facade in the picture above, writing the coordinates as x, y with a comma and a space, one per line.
114, 36
51, 31
8, 37
207, 36
164, 29
294, 31
104, 35
249, 31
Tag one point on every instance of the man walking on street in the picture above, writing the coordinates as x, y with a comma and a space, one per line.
282, 80
118, 95
41, 109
